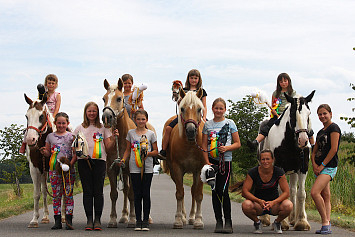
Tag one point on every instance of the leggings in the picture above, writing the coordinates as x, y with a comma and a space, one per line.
220, 196
57, 187
141, 189
92, 182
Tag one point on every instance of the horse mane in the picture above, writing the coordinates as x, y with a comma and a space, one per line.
190, 99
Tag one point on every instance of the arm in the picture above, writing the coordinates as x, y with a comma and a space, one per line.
313, 157
204, 147
74, 158
57, 105
154, 151
247, 185
285, 192
110, 141
127, 153
46, 150
235, 145
334, 138
204, 108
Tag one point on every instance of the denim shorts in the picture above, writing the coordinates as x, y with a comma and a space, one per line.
329, 171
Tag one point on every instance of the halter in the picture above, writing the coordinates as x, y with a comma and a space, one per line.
184, 122
44, 127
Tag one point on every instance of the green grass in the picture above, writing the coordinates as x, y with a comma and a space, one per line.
11, 205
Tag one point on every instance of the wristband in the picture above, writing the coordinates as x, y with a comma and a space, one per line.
323, 164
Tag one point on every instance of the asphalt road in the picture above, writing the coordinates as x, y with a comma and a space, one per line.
162, 211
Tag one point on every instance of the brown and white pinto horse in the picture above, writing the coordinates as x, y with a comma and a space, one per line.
115, 116
184, 156
39, 125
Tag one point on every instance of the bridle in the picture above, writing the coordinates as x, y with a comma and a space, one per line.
184, 122
44, 127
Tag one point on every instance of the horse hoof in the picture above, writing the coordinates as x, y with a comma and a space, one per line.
112, 224
131, 224
284, 225
44, 221
178, 225
191, 221
123, 220
33, 225
198, 226
302, 226
63, 219
150, 220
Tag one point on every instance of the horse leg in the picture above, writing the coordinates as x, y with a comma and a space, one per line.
132, 214
45, 218
124, 216
36, 179
193, 204
179, 194
113, 195
197, 197
183, 210
301, 220
265, 219
64, 208
293, 191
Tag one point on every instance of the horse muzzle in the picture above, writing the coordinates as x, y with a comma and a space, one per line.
108, 118
302, 139
191, 131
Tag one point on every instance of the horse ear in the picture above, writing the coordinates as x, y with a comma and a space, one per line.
120, 84
182, 93
289, 98
28, 100
199, 93
106, 84
310, 96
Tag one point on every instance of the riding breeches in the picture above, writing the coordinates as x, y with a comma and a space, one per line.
141, 189
56, 180
92, 180
220, 195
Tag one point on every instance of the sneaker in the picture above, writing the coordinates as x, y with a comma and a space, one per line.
228, 227
325, 230
258, 227
138, 226
253, 145
23, 148
162, 155
277, 227
145, 226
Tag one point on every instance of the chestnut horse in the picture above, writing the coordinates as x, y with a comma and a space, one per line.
184, 156
115, 116
39, 125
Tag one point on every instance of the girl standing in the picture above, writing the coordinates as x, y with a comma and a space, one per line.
92, 176
141, 165
220, 136
127, 91
325, 161
193, 83
53, 100
58, 145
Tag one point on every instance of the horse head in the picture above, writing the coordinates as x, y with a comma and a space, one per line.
190, 113
39, 119
113, 103
80, 145
299, 117
177, 85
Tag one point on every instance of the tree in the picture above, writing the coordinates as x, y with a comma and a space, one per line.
247, 116
11, 140
350, 120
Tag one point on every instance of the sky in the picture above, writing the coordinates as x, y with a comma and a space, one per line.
238, 46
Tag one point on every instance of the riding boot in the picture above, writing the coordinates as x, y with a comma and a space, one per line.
57, 222
219, 226
253, 145
69, 222
228, 227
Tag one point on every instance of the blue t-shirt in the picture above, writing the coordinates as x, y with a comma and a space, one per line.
224, 130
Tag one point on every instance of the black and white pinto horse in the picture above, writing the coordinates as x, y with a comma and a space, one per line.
288, 140
39, 121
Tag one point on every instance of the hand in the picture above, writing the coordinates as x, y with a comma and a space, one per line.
317, 169
274, 112
42, 150
122, 163
222, 149
115, 133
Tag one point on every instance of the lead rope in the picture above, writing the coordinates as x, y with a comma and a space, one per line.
224, 187
70, 185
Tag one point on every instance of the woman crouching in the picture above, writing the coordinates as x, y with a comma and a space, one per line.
266, 200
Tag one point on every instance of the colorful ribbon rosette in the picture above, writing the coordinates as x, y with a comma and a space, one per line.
137, 153
214, 144
275, 105
53, 159
98, 139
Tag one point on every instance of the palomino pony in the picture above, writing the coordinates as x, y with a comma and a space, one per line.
288, 140
184, 156
39, 125
115, 116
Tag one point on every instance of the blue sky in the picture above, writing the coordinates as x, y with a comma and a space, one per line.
237, 46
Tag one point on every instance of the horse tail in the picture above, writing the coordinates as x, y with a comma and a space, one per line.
165, 167
237, 187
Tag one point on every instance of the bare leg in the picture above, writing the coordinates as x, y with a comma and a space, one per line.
166, 137
251, 210
319, 185
282, 210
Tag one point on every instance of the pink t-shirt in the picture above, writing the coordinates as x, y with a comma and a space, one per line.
52, 101
95, 138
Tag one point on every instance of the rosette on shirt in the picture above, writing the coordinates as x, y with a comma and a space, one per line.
98, 139
55, 149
